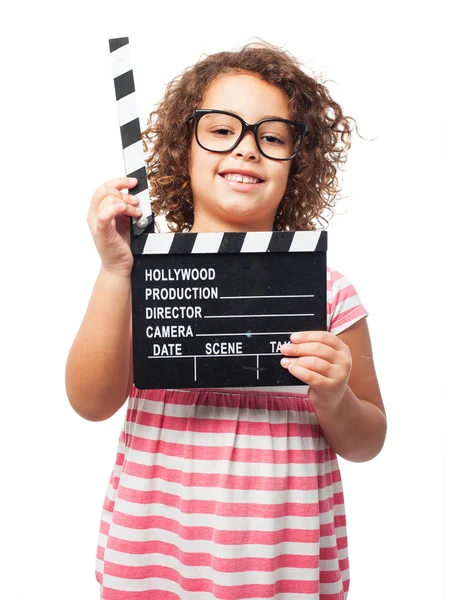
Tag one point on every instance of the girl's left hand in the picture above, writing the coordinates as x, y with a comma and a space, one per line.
322, 361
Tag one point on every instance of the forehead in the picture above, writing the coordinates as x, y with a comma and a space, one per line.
246, 95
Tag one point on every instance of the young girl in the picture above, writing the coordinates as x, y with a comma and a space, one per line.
230, 493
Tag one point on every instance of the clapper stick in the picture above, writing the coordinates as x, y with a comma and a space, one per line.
131, 136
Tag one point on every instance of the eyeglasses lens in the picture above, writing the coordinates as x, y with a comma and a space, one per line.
218, 133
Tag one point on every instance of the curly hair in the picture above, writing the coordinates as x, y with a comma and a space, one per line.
312, 185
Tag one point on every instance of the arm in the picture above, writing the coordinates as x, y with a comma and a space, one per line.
99, 365
356, 426
343, 388
99, 370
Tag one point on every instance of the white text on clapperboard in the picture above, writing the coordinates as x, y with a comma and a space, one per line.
205, 291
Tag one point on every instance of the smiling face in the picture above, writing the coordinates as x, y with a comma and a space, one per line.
226, 196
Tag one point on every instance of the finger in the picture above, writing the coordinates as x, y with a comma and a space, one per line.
128, 199
122, 183
132, 211
105, 218
113, 188
310, 349
324, 337
312, 363
309, 377
124, 209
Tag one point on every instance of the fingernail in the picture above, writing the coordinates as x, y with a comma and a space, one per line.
296, 337
132, 179
285, 362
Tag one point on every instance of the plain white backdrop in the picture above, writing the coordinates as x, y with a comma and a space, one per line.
60, 140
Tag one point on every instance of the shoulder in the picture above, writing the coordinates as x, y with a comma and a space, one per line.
344, 306
335, 276
337, 282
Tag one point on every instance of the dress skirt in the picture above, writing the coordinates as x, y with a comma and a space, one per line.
227, 494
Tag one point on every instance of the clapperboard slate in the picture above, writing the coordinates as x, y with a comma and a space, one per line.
212, 309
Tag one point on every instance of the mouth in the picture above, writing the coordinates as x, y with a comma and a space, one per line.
244, 181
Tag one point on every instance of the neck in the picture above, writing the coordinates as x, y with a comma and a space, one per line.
209, 225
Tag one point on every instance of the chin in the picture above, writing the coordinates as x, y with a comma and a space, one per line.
249, 221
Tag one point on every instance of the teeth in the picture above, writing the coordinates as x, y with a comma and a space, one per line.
240, 178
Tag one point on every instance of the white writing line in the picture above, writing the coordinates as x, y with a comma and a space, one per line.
247, 334
216, 355
245, 316
292, 296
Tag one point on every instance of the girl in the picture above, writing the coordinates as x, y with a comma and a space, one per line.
230, 493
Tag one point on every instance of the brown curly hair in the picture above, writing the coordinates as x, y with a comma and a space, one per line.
312, 186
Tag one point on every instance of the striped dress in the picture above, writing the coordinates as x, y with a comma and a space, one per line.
228, 494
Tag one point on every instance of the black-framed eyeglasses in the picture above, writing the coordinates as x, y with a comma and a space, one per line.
222, 131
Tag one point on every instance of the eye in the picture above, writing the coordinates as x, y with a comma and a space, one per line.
272, 139
223, 131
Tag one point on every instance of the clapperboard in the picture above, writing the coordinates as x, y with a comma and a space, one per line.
212, 309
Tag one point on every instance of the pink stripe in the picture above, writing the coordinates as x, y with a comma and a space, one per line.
322, 480
337, 596
206, 585
330, 576
212, 507
340, 521
200, 425
251, 455
222, 565
268, 538
328, 530
217, 535
222, 397
344, 294
342, 542
218, 480
104, 528
344, 564
330, 553
335, 275
108, 504
348, 315
270, 401
338, 498
146, 547
109, 594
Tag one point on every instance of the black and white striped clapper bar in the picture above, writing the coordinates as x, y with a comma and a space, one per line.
212, 309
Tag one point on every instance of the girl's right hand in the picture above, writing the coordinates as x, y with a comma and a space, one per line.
109, 224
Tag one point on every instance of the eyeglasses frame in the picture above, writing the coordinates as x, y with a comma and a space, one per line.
254, 128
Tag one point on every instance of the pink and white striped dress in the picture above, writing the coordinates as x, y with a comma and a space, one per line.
227, 494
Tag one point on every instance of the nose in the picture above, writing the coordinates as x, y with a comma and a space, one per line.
247, 148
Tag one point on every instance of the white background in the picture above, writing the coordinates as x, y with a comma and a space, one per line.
60, 140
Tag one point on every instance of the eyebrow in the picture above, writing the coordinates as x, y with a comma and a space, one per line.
264, 117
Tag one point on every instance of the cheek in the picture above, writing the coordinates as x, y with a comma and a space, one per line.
281, 177
191, 159
198, 161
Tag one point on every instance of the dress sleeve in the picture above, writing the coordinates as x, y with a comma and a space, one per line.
344, 307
